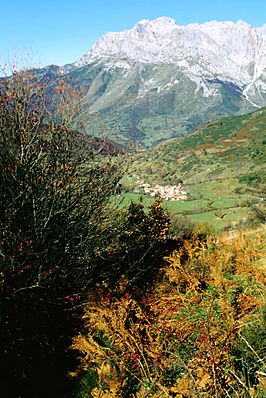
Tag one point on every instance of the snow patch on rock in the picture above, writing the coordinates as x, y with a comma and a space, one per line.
228, 51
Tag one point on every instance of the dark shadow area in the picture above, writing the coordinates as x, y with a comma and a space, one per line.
34, 355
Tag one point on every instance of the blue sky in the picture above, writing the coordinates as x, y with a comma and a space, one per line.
59, 32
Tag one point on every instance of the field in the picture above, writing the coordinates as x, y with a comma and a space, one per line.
221, 165
209, 203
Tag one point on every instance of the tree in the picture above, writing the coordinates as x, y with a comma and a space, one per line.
137, 245
53, 198
53, 195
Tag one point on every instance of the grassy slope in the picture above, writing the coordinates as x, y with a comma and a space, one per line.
148, 103
221, 164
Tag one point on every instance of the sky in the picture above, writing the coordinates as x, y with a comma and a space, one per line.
61, 31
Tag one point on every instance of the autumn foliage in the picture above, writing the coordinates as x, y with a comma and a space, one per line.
53, 199
52, 203
60, 232
186, 337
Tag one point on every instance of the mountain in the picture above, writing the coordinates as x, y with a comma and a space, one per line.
160, 80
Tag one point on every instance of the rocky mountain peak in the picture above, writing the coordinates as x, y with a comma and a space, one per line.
220, 65
224, 45
159, 25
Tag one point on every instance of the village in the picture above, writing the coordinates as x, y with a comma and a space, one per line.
166, 192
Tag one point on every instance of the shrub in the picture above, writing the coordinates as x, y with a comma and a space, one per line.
259, 212
181, 227
52, 211
137, 243
53, 195
179, 337
250, 351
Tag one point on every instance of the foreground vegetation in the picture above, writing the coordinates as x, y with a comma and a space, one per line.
199, 331
58, 234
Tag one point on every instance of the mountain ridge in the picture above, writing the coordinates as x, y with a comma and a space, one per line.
228, 48
160, 80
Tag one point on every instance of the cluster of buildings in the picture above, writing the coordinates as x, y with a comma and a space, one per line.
166, 192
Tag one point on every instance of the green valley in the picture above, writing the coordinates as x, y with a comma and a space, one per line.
221, 166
